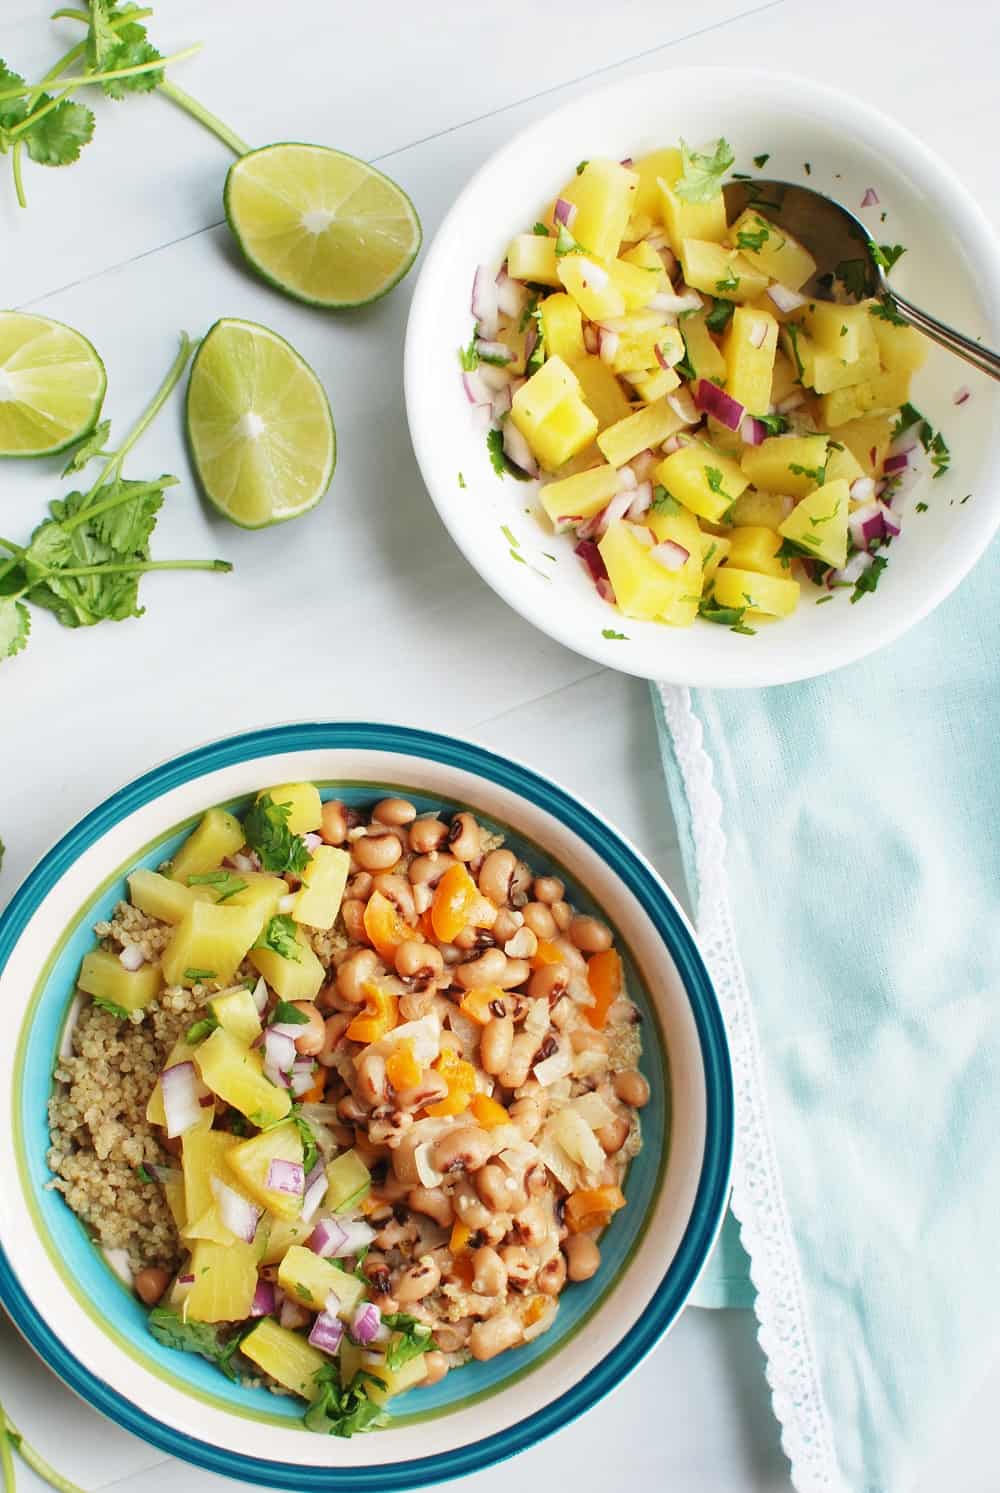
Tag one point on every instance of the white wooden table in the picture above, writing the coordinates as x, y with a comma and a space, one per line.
365, 608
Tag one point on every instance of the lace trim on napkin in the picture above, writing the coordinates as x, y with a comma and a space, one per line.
758, 1201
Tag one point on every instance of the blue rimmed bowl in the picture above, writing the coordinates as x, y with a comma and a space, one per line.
73, 1310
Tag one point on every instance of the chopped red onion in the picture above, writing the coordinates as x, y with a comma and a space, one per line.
501, 403
287, 1177
484, 301
852, 571
180, 1098
185, 1280
564, 212
131, 957
326, 1237
892, 522
530, 340
326, 1333
607, 344
239, 1216
670, 555
716, 402
752, 431
597, 275
493, 377
683, 406
647, 539
264, 1303
476, 391
287, 903
896, 463
303, 1078
357, 1236
241, 862
866, 525
667, 300
862, 490
312, 841
511, 294
517, 450
316, 1191
642, 501
592, 559
961, 395
870, 199
626, 479
785, 299
292, 1315
591, 338
365, 1323
906, 441
606, 591
617, 508
626, 161
671, 444
757, 334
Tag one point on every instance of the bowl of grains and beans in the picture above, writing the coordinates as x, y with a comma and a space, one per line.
376, 1074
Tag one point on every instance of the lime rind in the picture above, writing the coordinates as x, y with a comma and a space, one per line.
342, 242
52, 385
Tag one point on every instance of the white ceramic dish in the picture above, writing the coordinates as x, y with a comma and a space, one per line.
92, 1331
952, 266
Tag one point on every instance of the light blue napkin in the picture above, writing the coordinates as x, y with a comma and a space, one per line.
858, 892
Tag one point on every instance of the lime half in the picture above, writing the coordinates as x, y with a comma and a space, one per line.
259, 426
321, 225
52, 385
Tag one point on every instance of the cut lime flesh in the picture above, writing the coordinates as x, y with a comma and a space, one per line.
321, 225
259, 426
52, 385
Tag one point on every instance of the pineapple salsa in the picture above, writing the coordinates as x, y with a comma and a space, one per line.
708, 434
352, 1099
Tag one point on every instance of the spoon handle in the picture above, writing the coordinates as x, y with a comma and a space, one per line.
973, 352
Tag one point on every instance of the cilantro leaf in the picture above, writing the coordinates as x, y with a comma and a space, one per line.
199, 1030
815, 474
281, 936
216, 1343
714, 479
609, 632
773, 424
885, 255
731, 617
701, 174
494, 445
132, 54
267, 832
91, 446
57, 138
663, 501
747, 239
110, 1007
413, 1338
870, 579
731, 282
15, 625
581, 167
285, 1013
224, 883
337, 1410
540, 230
12, 110
853, 275
761, 161
718, 318
566, 243
468, 356
310, 1150
199, 976
886, 311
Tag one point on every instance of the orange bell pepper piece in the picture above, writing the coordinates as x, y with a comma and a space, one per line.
401, 1067
384, 927
460, 1077
536, 1308
488, 1112
592, 1208
426, 926
454, 897
380, 1015
460, 1236
315, 1094
462, 1269
476, 1003
546, 953
604, 976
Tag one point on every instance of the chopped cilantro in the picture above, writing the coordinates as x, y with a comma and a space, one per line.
226, 885
731, 282
510, 538
709, 553
843, 331
922, 507
339, 1410
609, 632
280, 935
821, 599
267, 832
199, 976
773, 424
494, 445
816, 474
825, 518
932, 440
310, 1150
885, 255
199, 1030
701, 175
731, 617
663, 501
461, 480
807, 168
468, 356
853, 276
110, 1007
719, 316
746, 239
869, 581
303, 1292
144, 1175
886, 311
940, 455
410, 1338
793, 337
581, 167
217, 1343
761, 161
714, 479
285, 1013
566, 243
540, 230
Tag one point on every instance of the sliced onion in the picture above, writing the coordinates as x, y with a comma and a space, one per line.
617, 508
645, 536
671, 444
488, 350
551, 1069
862, 490
642, 501
511, 295
131, 957
292, 1315
892, 521
476, 391
626, 479
287, 903
240, 1216
241, 862
502, 400
682, 403
871, 198
597, 276
260, 996
287, 1177
752, 431
517, 449
358, 1235
670, 555
303, 1078
606, 591
493, 377
484, 301
961, 395
785, 298
607, 342
181, 1106
264, 1302
648, 321
564, 212
365, 1323
626, 161
757, 334
852, 571
716, 402
896, 463
327, 1236
866, 525
326, 1333
668, 359
667, 300
530, 340
592, 560
119, 1262
906, 441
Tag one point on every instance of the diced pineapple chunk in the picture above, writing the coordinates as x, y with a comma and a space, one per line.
237, 1012
601, 391
158, 896
235, 1073
665, 163
225, 1281
604, 195
755, 547
591, 286
262, 892
764, 594
218, 835
845, 331
203, 1158
210, 943
515, 340
349, 1181
562, 327
784, 379
637, 285
868, 440
181, 1052
643, 589
681, 527
819, 523
284, 1233
395, 1381
531, 257
790, 464
638, 352
702, 353
294, 979
581, 496
841, 462
721, 438
323, 882
691, 220
103, 976
250, 1161
303, 803
309, 1279
760, 509
749, 348
173, 1191
886, 391
719, 271
772, 249
550, 413
285, 1356
647, 427
714, 550
646, 258
901, 349
830, 372
703, 480
653, 386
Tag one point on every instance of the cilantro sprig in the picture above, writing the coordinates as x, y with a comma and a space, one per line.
266, 828
701, 174
409, 1340
85, 561
218, 1344
280, 935
339, 1410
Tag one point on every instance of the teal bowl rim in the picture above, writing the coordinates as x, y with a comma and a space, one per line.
713, 1183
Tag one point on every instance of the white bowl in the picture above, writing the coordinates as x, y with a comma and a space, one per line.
952, 267
92, 1331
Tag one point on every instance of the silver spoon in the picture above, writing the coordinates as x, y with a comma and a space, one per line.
836, 238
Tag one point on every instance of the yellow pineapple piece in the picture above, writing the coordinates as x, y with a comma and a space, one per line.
720, 271
250, 1161
714, 551
591, 286
235, 1073
210, 942
396, 1381
218, 835
285, 1356
691, 220
323, 882
225, 1281
755, 547
791, 464
562, 327
531, 257
749, 347
303, 803
784, 380
875, 396
581, 496
765, 595
159, 896
653, 386
604, 195
754, 509
308, 1279
703, 480
237, 1012
104, 977
819, 523
841, 462
647, 427
665, 163
643, 589
868, 440
636, 284
646, 258
844, 331
682, 528
550, 413
602, 393
702, 353
637, 352
203, 1158
294, 979
901, 349
772, 249
284, 1233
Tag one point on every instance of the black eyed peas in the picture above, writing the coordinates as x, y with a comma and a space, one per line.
464, 838
427, 870
527, 1116
378, 852
312, 1038
394, 811
495, 1044
549, 982
531, 1224
489, 969
520, 885
613, 1135
426, 834
465, 1148
333, 825
470, 938
563, 915
418, 961
495, 875
520, 1264
499, 1189
471, 1210
508, 922
417, 1281
433, 1201
585, 1039
515, 974
548, 889
590, 935
431, 1089
352, 976
583, 1258
398, 891
489, 1277
552, 1275
150, 1284
522, 1055
494, 1336
369, 1078
538, 917
360, 886
435, 1368
632, 1088
352, 912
